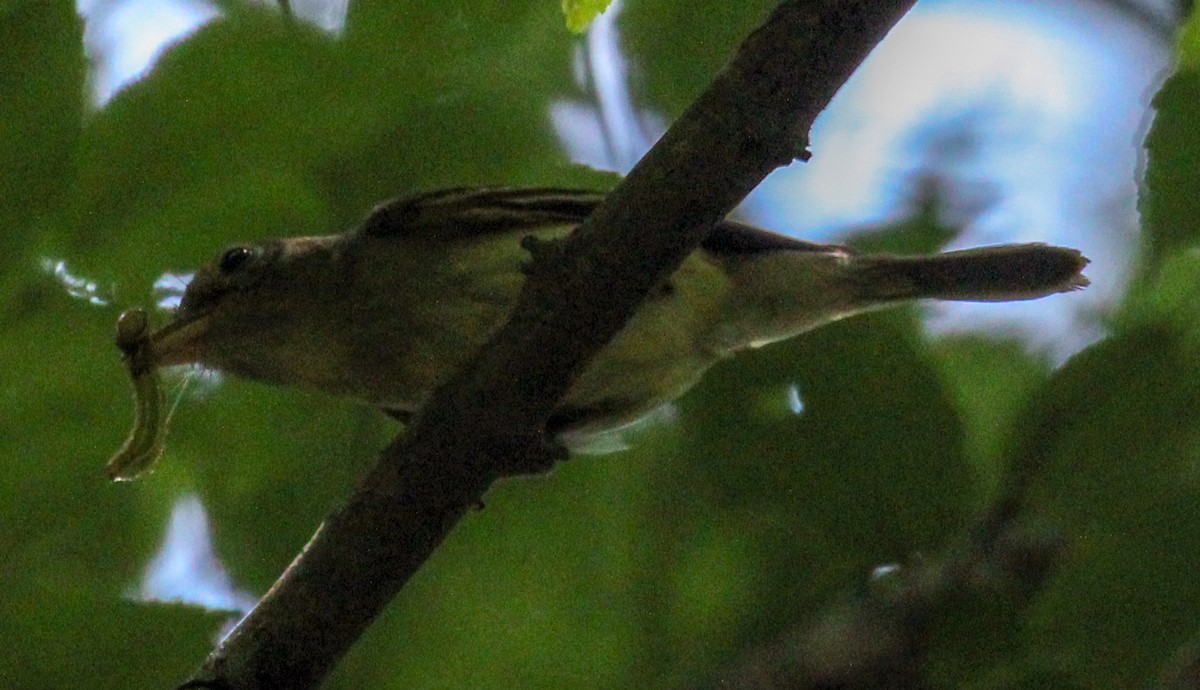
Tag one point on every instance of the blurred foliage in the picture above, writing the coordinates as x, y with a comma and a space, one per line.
1169, 206
655, 567
580, 13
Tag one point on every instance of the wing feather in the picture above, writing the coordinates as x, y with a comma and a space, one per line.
468, 211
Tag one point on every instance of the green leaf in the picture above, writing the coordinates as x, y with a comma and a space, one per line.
703, 34
256, 127
1188, 46
544, 586
580, 13
1170, 297
814, 461
41, 113
1170, 199
1112, 443
990, 381
216, 144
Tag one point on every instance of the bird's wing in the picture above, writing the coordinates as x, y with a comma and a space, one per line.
730, 237
465, 212
469, 211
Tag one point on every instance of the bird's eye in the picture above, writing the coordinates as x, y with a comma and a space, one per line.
234, 259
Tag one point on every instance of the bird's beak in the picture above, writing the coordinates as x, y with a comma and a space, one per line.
180, 342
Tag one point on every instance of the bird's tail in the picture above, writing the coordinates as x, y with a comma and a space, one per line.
781, 294
987, 274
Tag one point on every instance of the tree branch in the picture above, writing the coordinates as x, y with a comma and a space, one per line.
487, 422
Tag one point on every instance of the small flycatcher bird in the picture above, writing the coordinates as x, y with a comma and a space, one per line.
388, 310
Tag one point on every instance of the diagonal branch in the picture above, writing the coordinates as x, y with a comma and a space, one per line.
487, 422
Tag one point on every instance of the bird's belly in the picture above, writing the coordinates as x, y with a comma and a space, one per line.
660, 354
656, 357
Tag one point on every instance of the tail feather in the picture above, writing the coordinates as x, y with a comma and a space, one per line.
987, 274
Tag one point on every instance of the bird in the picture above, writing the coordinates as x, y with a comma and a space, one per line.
387, 310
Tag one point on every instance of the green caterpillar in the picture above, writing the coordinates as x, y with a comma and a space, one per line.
145, 442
